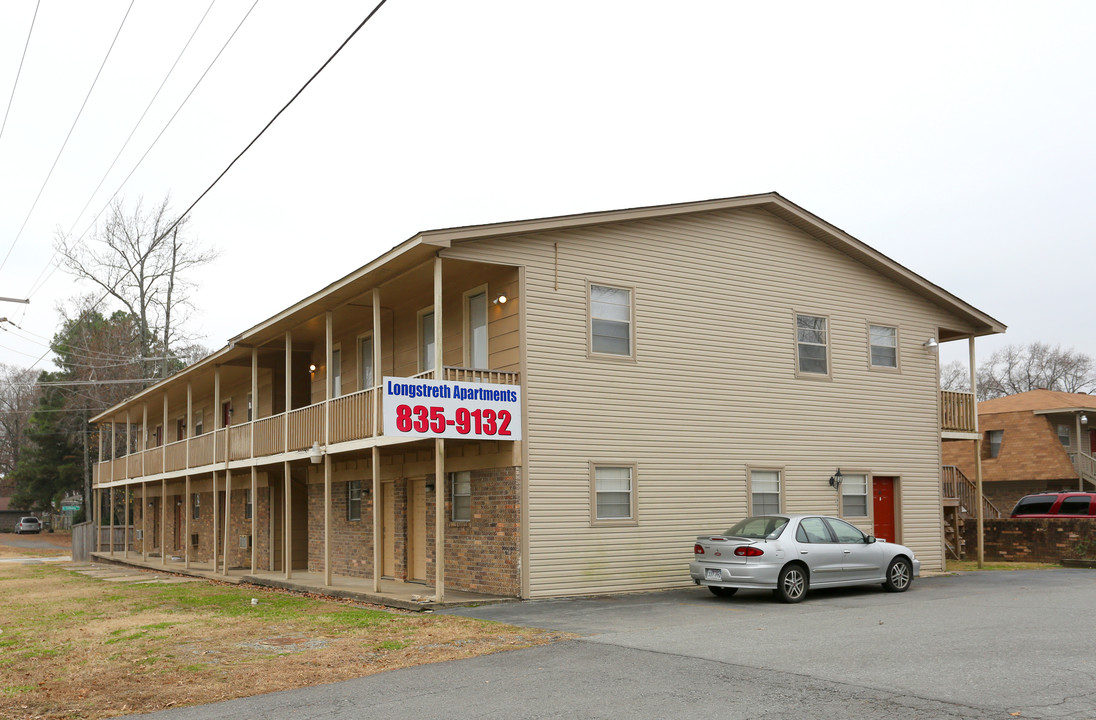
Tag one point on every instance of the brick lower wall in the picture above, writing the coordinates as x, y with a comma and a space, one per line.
1034, 539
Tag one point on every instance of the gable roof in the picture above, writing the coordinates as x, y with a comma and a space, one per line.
1039, 402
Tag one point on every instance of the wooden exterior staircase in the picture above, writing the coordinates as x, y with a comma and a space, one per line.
959, 494
1085, 465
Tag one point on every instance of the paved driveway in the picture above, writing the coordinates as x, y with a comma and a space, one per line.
979, 645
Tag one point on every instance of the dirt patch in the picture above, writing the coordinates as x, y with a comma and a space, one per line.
77, 646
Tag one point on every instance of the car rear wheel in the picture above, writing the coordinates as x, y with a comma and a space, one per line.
722, 591
791, 586
899, 575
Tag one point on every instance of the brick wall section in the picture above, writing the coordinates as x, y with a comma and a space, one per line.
351, 540
481, 555
1030, 450
1033, 539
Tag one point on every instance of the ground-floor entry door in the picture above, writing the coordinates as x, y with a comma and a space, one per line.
177, 535
416, 532
388, 524
883, 508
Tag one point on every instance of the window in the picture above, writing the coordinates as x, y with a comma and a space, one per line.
764, 492
195, 506
994, 437
336, 372
813, 530
199, 419
462, 495
1063, 435
354, 500
854, 496
365, 361
844, 532
1074, 505
610, 320
475, 338
812, 344
884, 346
613, 493
426, 341
248, 506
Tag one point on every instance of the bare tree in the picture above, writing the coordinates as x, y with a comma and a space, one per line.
955, 377
18, 398
1019, 368
140, 260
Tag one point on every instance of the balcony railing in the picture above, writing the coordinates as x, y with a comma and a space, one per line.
957, 411
350, 417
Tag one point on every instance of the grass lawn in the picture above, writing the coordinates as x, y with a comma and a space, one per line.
77, 646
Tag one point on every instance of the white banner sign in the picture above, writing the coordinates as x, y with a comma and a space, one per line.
443, 408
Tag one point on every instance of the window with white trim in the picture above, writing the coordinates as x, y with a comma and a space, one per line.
995, 437
426, 341
610, 320
195, 506
336, 372
477, 330
199, 421
854, 496
1064, 435
248, 505
812, 344
614, 494
354, 500
462, 495
764, 492
883, 346
365, 361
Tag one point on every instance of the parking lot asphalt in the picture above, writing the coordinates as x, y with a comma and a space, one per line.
973, 645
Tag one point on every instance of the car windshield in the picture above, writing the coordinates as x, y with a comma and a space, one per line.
765, 527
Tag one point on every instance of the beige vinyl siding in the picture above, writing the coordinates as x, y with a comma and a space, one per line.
712, 390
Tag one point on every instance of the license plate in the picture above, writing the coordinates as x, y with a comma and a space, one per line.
712, 574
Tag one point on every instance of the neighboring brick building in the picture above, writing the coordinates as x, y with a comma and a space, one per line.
1031, 442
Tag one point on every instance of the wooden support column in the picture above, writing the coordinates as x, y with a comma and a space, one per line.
186, 523
112, 506
980, 502
378, 375
113, 452
329, 392
163, 522
378, 537
97, 512
144, 525
216, 521
439, 445
254, 507
288, 385
228, 516
288, 552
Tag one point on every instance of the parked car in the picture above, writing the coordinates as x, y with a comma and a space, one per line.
28, 525
1056, 504
790, 554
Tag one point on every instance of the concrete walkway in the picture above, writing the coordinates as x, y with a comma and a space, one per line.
393, 593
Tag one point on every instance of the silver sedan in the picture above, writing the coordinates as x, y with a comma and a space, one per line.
789, 554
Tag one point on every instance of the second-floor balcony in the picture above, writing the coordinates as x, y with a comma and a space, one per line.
342, 421
958, 411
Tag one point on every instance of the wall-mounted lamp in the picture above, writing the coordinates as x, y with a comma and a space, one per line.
1084, 419
501, 299
315, 455
930, 344
429, 487
835, 479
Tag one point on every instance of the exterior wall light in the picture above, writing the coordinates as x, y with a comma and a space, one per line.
501, 299
931, 344
315, 455
1084, 419
835, 479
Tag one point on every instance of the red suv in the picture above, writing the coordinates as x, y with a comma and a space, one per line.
1056, 504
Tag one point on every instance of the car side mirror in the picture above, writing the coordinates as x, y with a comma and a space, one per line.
869, 539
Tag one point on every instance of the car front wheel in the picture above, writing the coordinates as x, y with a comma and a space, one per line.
722, 591
791, 586
899, 575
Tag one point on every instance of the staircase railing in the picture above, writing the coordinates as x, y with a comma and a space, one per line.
957, 486
1085, 465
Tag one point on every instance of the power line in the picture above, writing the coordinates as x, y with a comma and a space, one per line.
65, 143
157, 139
20, 70
278, 114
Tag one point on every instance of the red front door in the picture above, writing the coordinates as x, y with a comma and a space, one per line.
1092, 441
883, 508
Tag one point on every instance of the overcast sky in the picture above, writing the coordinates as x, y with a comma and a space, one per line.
958, 138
